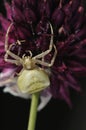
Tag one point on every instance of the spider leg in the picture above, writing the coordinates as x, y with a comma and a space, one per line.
10, 60
20, 41
50, 47
17, 60
13, 55
52, 60
6, 37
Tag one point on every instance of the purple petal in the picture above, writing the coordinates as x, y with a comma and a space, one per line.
29, 15
45, 7
8, 10
4, 23
58, 16
64, 94
31, 2
77, 68
75, 5
71, 81
17, 15
77, 20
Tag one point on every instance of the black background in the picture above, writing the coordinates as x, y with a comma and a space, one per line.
14, 112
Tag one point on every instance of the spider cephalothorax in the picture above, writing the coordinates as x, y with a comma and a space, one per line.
32, 78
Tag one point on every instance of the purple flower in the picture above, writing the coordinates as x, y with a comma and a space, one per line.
31, 20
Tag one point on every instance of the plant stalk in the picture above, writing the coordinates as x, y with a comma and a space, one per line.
33, 111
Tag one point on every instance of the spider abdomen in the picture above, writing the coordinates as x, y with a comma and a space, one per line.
31, 81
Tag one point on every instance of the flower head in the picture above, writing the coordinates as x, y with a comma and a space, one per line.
31, 28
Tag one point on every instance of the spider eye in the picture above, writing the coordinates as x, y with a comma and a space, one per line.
32, 81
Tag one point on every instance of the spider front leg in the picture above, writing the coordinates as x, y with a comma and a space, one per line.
6, 37
50, 47
17, 60
52, 60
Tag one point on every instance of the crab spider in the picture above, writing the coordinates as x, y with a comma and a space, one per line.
31, 78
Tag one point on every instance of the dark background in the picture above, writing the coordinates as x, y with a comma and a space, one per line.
14, 112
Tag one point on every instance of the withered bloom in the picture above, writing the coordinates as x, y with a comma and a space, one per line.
31, 21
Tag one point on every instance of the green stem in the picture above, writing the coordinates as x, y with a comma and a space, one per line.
33, 111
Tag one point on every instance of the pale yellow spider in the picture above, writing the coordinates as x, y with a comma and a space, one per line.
32, 78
